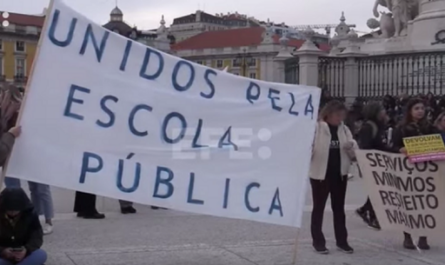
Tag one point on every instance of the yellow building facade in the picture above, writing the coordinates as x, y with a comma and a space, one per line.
16, 64
18, 45
247, 67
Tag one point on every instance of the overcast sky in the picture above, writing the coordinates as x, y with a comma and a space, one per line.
146, 14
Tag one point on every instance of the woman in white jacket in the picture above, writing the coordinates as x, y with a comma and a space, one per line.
332, 152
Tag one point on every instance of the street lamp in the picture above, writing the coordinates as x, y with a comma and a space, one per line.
244, 60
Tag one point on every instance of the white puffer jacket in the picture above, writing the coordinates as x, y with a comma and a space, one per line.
320, 150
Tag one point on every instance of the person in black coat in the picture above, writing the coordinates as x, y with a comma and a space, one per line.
372, 135
21, 235
414, 123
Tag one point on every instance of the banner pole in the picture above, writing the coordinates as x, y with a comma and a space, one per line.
28, 82
294, 257
415, 244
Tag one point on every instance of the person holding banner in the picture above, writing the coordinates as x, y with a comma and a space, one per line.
372, 135
332, 153
40, 193
10, 99
414, 123
9, 105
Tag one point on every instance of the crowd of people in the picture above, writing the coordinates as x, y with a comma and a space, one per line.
379, 125
394, 106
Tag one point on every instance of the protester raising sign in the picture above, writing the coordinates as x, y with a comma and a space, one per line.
406, 197
110, 116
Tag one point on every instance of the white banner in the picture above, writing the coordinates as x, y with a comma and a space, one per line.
109, 116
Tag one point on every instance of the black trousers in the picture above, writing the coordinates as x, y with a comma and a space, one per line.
368, 208
85, 203
336, 187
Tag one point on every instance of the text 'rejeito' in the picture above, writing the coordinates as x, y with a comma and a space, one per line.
110, 116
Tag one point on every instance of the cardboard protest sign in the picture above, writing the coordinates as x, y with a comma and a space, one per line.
406, 197
110, 116
425, 148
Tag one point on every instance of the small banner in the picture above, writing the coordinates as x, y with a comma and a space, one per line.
425, 148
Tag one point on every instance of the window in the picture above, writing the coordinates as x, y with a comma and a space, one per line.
236, 63
19, 46
20, 67
252, 75
251, 62
199, 62
219, 63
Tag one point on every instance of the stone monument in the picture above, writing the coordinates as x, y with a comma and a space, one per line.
405, 26
402, 11
428, 28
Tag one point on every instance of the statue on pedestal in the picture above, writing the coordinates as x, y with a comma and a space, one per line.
402, 11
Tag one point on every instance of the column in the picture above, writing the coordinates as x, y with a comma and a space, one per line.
308, 59
351, 82
279, 70
280, 61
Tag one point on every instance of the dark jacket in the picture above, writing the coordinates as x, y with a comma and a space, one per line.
367, 140
27, 230
411, 130
12, 122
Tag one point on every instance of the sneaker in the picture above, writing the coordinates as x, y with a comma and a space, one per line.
374, 224
47, 229
321, 250
345, 248
362, 213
